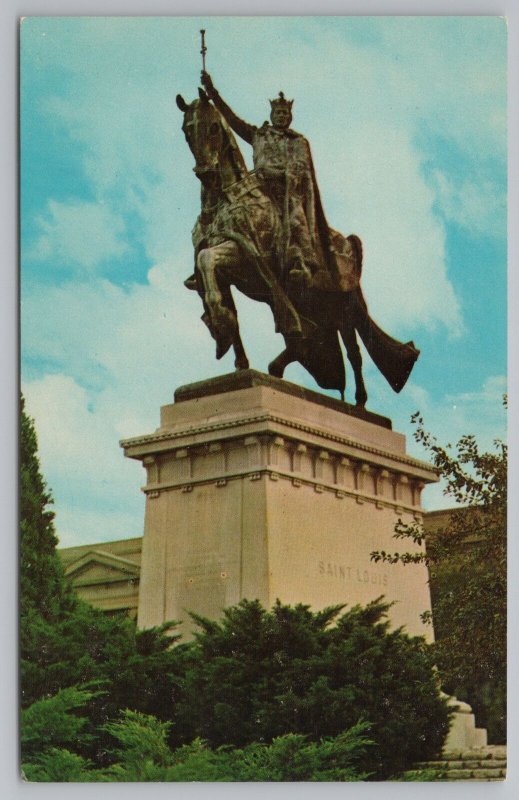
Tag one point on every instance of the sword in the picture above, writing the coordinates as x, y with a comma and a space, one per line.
203, 51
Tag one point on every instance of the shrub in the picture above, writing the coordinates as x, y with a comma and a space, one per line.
258, 675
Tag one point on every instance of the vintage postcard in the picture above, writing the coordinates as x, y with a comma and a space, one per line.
263, 415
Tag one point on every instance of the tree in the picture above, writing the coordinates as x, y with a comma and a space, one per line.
253, 690
257, 675
66, 643
54, 722
42, 584
467, 562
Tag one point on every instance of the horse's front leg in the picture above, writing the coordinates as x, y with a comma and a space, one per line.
240, 356
208, 261
212, 264
355, 358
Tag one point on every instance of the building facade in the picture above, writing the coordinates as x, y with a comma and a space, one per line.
107, 574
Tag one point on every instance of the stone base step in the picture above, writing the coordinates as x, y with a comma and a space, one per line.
481, 764
490, 751
470, 765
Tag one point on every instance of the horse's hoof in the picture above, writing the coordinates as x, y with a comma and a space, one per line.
361, 398
241, 365
275, 370
223, 345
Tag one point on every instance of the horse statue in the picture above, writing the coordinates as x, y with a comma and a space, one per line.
236, 242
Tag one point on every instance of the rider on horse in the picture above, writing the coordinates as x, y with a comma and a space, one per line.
283, 164
266, 234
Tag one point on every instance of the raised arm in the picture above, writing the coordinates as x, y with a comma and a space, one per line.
239, 126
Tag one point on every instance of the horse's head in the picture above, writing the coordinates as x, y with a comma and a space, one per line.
209, 138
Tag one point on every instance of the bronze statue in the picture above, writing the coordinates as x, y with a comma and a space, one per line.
265, 233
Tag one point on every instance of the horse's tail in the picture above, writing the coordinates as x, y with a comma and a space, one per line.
394, 359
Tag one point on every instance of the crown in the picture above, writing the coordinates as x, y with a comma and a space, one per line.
281, 102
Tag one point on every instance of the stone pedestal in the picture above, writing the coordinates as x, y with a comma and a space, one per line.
260, 489
257, 488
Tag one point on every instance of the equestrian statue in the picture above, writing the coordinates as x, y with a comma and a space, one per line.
265, 233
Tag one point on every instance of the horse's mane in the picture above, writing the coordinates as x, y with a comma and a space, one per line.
232, 144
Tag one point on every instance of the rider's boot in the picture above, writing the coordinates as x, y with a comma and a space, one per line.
298, 272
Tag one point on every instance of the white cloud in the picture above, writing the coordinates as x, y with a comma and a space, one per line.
79, 234
82, 463
362, 109
479, 207
386, 201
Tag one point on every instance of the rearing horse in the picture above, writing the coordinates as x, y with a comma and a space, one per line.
236, 240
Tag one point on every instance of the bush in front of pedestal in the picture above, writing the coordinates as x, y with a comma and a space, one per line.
257, 675
139, 751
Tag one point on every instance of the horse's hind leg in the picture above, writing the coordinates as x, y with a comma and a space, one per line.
281, 362
294, 351
355, 358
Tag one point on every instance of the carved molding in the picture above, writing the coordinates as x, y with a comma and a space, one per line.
275, 456
156, 438
340, 492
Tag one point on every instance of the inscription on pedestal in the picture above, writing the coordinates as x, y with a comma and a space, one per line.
344, 572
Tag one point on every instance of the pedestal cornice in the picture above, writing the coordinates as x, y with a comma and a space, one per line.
163, 441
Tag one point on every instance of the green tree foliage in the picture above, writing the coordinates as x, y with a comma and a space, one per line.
59, 765
54, 721
131, 669
467, 562
142, 754
257, 675
285, 688
293, 757
51, 729
65, 642
42, 585
87, 645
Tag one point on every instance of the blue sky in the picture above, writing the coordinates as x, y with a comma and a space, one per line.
406, 117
